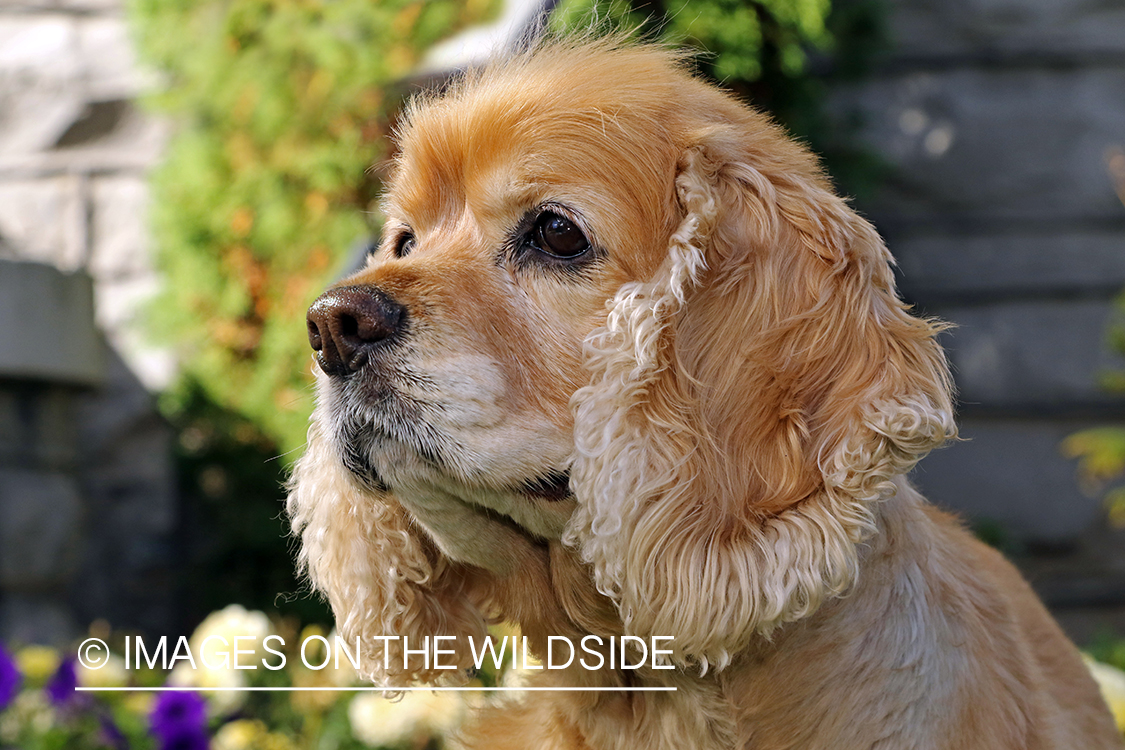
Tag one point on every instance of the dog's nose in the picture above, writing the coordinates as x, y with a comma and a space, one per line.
345, 324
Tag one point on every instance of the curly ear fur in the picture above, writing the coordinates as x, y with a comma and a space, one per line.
749, 405
381, 576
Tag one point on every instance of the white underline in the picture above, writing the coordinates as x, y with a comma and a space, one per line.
372, 689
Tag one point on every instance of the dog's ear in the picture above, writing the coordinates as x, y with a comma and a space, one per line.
382, 576
749, 404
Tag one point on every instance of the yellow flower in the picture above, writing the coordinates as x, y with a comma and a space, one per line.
308, 632
139, 703
1111, 681
277, 741
249, 734
37, 663
243, 734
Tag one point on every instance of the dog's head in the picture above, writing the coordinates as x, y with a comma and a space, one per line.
612, 306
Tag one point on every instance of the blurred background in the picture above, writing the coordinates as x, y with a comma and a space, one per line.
180, 178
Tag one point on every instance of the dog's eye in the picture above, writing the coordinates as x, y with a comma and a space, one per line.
558, 236
403, 245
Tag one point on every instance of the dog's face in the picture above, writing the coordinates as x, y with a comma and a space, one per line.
612, 306
509, 224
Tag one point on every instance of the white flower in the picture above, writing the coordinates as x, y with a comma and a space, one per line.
241, 734
110, 674
213, 647
29, 709
221, 702
217, 634
377, 721
1111, 681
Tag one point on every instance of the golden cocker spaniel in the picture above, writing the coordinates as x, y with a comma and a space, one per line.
625, 365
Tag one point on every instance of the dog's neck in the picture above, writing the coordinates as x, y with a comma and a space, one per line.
771, 683
553, 592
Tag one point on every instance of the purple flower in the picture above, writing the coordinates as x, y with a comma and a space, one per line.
60, 688
9, 679
185, 739
179, 721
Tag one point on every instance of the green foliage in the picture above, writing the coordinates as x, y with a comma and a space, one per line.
736, 31
782, 56
1107, 648
1101, 451
235, 532
281, 107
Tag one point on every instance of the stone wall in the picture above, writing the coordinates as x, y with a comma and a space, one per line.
88, 510
997, 117
74, 151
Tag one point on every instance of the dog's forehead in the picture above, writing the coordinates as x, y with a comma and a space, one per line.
500, 145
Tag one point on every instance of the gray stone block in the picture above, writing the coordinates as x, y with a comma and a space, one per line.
37, 426
40, 527
1011, 473
51, 334
30, 618
939, 266
994, 150
40, 74
120, 246
49, 329
1042, 355
128, 456
110, 69
49, 438
67, 6
11, 428
44, 220
951, 28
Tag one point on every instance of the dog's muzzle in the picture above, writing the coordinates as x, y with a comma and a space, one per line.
349, 324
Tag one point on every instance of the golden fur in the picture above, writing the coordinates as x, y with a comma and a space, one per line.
736, 392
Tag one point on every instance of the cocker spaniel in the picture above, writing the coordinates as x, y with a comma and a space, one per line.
624, 365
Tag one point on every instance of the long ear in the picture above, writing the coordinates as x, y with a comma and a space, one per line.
748, 406
381, 575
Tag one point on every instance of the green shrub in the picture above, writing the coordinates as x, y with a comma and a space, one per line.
1101, 451
280, 108
782, 56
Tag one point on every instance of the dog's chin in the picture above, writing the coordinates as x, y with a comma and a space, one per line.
423, 473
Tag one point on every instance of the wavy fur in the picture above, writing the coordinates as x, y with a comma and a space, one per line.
737, 393
380, 574
658, 514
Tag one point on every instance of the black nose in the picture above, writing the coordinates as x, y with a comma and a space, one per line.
345, 324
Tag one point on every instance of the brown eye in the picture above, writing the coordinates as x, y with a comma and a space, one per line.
403, 245
558, 236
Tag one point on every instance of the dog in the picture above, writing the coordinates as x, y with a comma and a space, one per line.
624, 365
